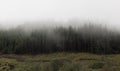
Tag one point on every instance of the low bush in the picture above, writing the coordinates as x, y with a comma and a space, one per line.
97, 65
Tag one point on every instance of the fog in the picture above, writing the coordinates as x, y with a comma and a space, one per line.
18, 12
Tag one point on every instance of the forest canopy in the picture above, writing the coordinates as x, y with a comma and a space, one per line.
88, 38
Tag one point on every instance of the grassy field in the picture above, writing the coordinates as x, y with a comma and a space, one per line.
60, 62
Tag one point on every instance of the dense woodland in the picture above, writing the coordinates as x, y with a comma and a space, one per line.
88, 38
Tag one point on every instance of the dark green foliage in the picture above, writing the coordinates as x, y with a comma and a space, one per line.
97, 65
92, 39
6, 66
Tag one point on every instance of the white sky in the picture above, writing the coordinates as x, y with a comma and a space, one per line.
34, 10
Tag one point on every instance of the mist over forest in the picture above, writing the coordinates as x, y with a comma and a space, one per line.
51, 37
59, 35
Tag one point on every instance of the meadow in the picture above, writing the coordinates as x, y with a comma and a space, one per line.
60, 62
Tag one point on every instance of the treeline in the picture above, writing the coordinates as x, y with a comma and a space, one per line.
89, 38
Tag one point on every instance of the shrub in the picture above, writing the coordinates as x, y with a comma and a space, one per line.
97, 65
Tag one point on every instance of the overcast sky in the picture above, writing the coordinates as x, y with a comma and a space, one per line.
60, 10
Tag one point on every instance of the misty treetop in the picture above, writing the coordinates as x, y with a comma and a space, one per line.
89, 38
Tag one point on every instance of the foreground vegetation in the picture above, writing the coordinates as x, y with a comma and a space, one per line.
60, 62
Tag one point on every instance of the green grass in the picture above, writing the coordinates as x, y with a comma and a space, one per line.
60, 62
